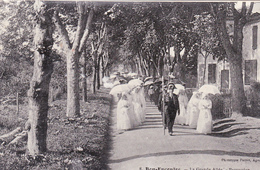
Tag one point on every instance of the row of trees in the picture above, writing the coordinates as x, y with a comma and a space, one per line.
190, 28
139, 35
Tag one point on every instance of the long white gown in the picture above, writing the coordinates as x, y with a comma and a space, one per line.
205, 117
193, 109
136, 106
124, 121
143, 103
183, 102
133, 117
189, 106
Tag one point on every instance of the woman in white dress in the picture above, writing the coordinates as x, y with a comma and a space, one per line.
141, 99
205, 117
183, 102
124, 119
193, 109
136, 106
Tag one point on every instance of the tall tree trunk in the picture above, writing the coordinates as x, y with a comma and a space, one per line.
183, 72
237, 87
234, 51
143, 65
73, 53
140, 72
84, 88
181, 62
136, 68
205, 67
94, 71
39, 86
161, 65
102, 67
73, 105
98, 72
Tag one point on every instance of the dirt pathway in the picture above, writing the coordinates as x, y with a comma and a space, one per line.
233, 145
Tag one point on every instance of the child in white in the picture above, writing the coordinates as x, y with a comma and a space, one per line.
143, 103
205, 117
183, 101
137, 105
193, 109
124, 121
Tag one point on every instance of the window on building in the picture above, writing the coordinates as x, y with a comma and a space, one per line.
250, 71
254, 34
212, 73
224, 79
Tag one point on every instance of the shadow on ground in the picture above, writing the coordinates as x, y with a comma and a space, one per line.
232, 133
229, 128
226, 126
223, 121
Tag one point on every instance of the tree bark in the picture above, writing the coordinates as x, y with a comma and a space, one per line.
73, 104
98, 72
238, 95
139, 65
94, 71
39, 86
234, 54
102, 66
161, 65
84, 88
73, 53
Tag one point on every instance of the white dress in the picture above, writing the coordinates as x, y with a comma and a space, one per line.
193, 110
136, 107
143, 103
205, 117
189, 106
123, 115
133, 117
183, 102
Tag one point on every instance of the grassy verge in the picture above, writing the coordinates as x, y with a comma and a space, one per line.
77, 143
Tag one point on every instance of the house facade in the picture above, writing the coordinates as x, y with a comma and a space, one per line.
217, 72
251, 51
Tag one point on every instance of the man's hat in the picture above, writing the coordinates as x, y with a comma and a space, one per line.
171, 84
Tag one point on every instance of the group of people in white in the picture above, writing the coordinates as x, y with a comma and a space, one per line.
196, 113
131, 103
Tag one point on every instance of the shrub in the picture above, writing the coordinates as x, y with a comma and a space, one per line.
218, 106
253, 99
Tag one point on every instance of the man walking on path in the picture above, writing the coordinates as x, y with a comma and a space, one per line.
171, 107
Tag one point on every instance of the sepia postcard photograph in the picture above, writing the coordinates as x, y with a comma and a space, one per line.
129, 85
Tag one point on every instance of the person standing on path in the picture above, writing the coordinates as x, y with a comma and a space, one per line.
171, 107
205, 117
163, 91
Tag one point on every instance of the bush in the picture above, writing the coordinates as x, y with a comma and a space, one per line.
253, 99
218, 106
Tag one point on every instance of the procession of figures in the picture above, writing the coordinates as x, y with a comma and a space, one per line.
131, 93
